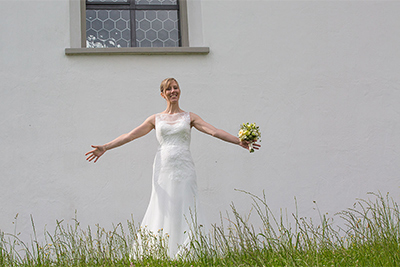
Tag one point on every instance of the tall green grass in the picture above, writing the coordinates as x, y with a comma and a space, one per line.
369, 235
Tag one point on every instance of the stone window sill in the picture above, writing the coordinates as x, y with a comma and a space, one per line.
137, 51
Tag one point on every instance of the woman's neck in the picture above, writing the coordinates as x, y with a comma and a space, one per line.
173, 108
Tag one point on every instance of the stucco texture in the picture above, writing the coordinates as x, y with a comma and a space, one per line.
320, 78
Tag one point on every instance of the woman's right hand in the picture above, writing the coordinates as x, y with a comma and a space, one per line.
96, 153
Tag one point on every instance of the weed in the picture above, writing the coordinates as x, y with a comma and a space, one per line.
370, 237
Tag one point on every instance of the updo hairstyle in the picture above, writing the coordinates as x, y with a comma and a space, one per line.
166, 83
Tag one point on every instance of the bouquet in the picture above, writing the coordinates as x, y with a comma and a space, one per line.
249, 132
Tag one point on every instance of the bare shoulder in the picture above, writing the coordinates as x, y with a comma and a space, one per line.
196, 121
151, 120
194, 117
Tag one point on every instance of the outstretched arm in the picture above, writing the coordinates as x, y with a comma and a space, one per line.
139, 131
207, 128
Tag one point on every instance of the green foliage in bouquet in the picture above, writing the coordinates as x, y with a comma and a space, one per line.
249, 132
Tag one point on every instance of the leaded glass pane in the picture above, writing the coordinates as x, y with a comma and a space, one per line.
107, 28
156, 2
107, 1
157, 28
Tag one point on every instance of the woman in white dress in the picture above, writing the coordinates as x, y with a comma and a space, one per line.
174, 187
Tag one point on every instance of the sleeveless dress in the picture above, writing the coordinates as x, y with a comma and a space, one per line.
173, 202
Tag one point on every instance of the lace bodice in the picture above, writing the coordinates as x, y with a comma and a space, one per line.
173, 129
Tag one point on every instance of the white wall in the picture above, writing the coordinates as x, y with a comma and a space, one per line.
320, 78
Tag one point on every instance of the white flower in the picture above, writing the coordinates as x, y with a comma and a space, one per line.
250, 133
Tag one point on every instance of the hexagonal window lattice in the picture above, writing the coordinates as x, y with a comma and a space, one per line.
112, 27
156, 2
106, 27
157, 26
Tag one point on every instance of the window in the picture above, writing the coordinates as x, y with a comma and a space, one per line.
134, 27
133, 23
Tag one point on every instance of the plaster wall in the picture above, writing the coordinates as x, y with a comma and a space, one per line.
320, 78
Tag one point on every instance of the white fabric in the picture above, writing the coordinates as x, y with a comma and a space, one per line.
173, 199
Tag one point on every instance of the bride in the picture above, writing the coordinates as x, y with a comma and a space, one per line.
174, 186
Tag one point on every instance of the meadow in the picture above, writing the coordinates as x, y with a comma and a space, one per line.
369, 236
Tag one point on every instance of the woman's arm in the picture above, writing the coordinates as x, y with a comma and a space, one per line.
207, 128
139, 131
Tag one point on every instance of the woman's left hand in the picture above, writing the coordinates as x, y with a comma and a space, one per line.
246, 144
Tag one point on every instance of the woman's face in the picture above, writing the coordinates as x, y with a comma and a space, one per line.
172, 93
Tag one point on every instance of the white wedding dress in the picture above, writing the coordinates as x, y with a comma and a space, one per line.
173, 200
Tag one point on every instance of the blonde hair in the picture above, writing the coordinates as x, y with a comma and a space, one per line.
166, 83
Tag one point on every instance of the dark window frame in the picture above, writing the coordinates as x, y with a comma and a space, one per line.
132, 7
78, 37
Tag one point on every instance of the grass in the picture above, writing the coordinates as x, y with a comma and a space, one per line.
369, 236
